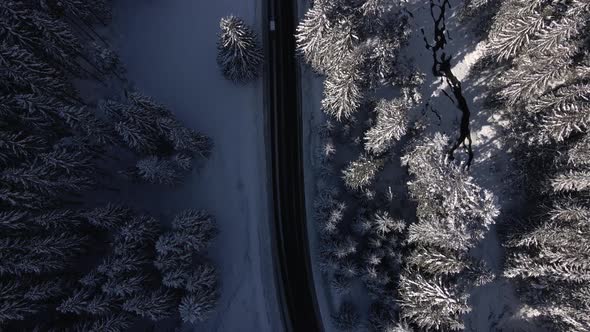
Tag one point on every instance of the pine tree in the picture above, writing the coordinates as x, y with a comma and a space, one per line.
312, 34
362, 172
533, 77
391, 126
42, 34
118, 322
382, 318
546, 75
158, 171
148, 127
546, 92
196, 228
356, 46
197, 306
155, 305
341, 283
515, 33
54, 149
96, 11
474, 5
109, 216
15, 304
453, 216
39, 254
191, 232
347, 318
453, 211
430, 304
26, 73
202, 279
105, 59
16, 309
564, 121
124, 286
438, 262
384, 225
343, 92
240, 56
571, 181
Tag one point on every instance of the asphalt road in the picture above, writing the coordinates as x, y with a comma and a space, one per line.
295, 279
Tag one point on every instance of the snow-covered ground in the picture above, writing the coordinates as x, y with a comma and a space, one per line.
313, 118
169, 50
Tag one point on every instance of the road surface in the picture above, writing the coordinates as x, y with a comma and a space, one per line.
300, 309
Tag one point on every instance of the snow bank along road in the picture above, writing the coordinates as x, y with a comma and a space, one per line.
169, 48
298, 297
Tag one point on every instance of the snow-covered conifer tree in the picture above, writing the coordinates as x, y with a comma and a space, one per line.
195, 227
110, 322
391, 126
347, 318
96, 11
382, 318
312, 34
158, 171
26, 73
202, 278
197, 306
148, 127
54, 148
191, 232
341, 283
355, 45
343, 92
155, 305
239, 54
454, 214
544, 92
105, 59
453, 211
430, 304
109, 216
360, 173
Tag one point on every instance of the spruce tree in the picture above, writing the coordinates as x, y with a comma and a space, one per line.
311, 37
361, 173
343, 91
355, 45
239, 54
68, 261
391, 125
545, 93
453, 216
430, 304
347, 318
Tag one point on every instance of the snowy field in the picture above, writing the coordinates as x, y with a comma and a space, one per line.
169, 49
